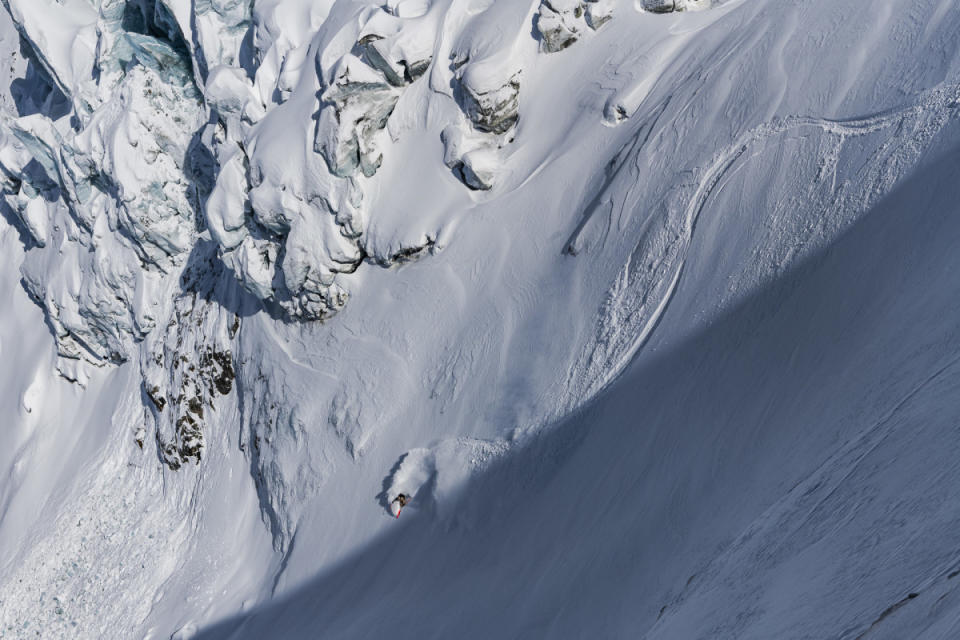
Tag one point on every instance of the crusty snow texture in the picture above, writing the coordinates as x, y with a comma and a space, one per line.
272, 262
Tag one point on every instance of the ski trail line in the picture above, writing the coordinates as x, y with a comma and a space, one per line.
935, 101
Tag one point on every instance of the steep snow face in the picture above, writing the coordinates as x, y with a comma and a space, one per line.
304, 255
786, 471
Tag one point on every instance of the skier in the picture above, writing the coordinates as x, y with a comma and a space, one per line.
398, 504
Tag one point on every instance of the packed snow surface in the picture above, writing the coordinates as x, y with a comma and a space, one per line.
650, 306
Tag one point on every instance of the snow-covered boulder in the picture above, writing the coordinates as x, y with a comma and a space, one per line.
489, 94
560, 23
365, 87
667, 6
186, 371
360, 101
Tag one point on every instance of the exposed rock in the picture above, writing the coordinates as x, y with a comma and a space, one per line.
488, 93
361, 101
144, 146
373, 50
477, 169
469, 157
563, 22
668, 6
559, 27
186, 368
405, 254
285, 240
358, 102
489, 100
598, 13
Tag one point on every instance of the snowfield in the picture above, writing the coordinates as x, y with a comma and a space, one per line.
652, 307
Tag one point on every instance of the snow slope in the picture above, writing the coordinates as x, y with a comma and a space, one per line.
786, 471
652, 315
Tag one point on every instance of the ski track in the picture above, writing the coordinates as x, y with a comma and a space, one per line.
620, 160
935, 101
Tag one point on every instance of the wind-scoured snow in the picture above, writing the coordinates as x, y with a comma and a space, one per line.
649, 307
